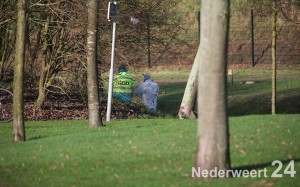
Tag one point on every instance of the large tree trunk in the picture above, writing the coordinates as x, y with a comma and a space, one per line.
189, 97
274, 36
213, 136
95, 119
18, 105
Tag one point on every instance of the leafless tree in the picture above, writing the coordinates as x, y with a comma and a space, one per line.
7, 36
95, 119
18, 106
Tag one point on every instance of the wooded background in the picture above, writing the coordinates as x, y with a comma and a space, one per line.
167, 34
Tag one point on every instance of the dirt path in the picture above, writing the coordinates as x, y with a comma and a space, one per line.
171, 80
240, 79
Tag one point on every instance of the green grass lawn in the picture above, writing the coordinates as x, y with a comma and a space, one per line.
255, 98
283, 72
160, 152
263, 71
143, 152
243, 99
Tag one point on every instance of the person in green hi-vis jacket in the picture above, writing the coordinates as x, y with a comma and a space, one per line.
123, 85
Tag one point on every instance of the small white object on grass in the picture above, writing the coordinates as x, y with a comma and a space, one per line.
249, 82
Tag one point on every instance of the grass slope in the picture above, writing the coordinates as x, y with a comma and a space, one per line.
143, 152
243, 99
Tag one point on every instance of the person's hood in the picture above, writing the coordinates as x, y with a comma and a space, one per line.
147, 77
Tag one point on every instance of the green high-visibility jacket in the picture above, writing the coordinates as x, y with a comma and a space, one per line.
123, 83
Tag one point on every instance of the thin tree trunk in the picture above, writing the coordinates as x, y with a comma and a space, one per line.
190, 93
18, 106
213, 130
5, 42
42, 90
43, 75
274, 36
95, 119
3, 47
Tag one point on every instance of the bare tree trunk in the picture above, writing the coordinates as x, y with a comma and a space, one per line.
213, 130
274, 36
5, 51
18, 105
43, 75
189, 97
95, 119
52, 56
42, 90
7, 36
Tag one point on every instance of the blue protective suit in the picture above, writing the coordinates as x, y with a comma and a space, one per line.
148, 91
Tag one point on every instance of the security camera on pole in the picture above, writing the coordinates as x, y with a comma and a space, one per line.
111, 15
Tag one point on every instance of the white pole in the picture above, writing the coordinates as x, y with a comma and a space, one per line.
111, 72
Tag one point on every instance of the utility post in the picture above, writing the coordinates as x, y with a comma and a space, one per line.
111, 15
148, 39
252, 38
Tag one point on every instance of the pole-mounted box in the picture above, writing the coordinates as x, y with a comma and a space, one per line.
112, 11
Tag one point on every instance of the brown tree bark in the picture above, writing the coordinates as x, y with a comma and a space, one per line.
7, 36
213, 131
18, 105
45, 68
55, 48
95, 119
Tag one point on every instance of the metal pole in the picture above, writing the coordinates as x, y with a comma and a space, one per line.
148, 38
111, 72
252, 38
198, 20
274, 68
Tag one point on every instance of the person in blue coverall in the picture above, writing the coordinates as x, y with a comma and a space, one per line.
148, 91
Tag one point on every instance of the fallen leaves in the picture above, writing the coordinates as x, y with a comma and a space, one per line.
264, 182
67, 156
63, 108
290, 156
242, 152
58, 166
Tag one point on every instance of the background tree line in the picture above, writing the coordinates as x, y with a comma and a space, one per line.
55, 59
56, 38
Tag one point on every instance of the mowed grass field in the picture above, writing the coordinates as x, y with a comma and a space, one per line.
160, 151
243, 99
144, 152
